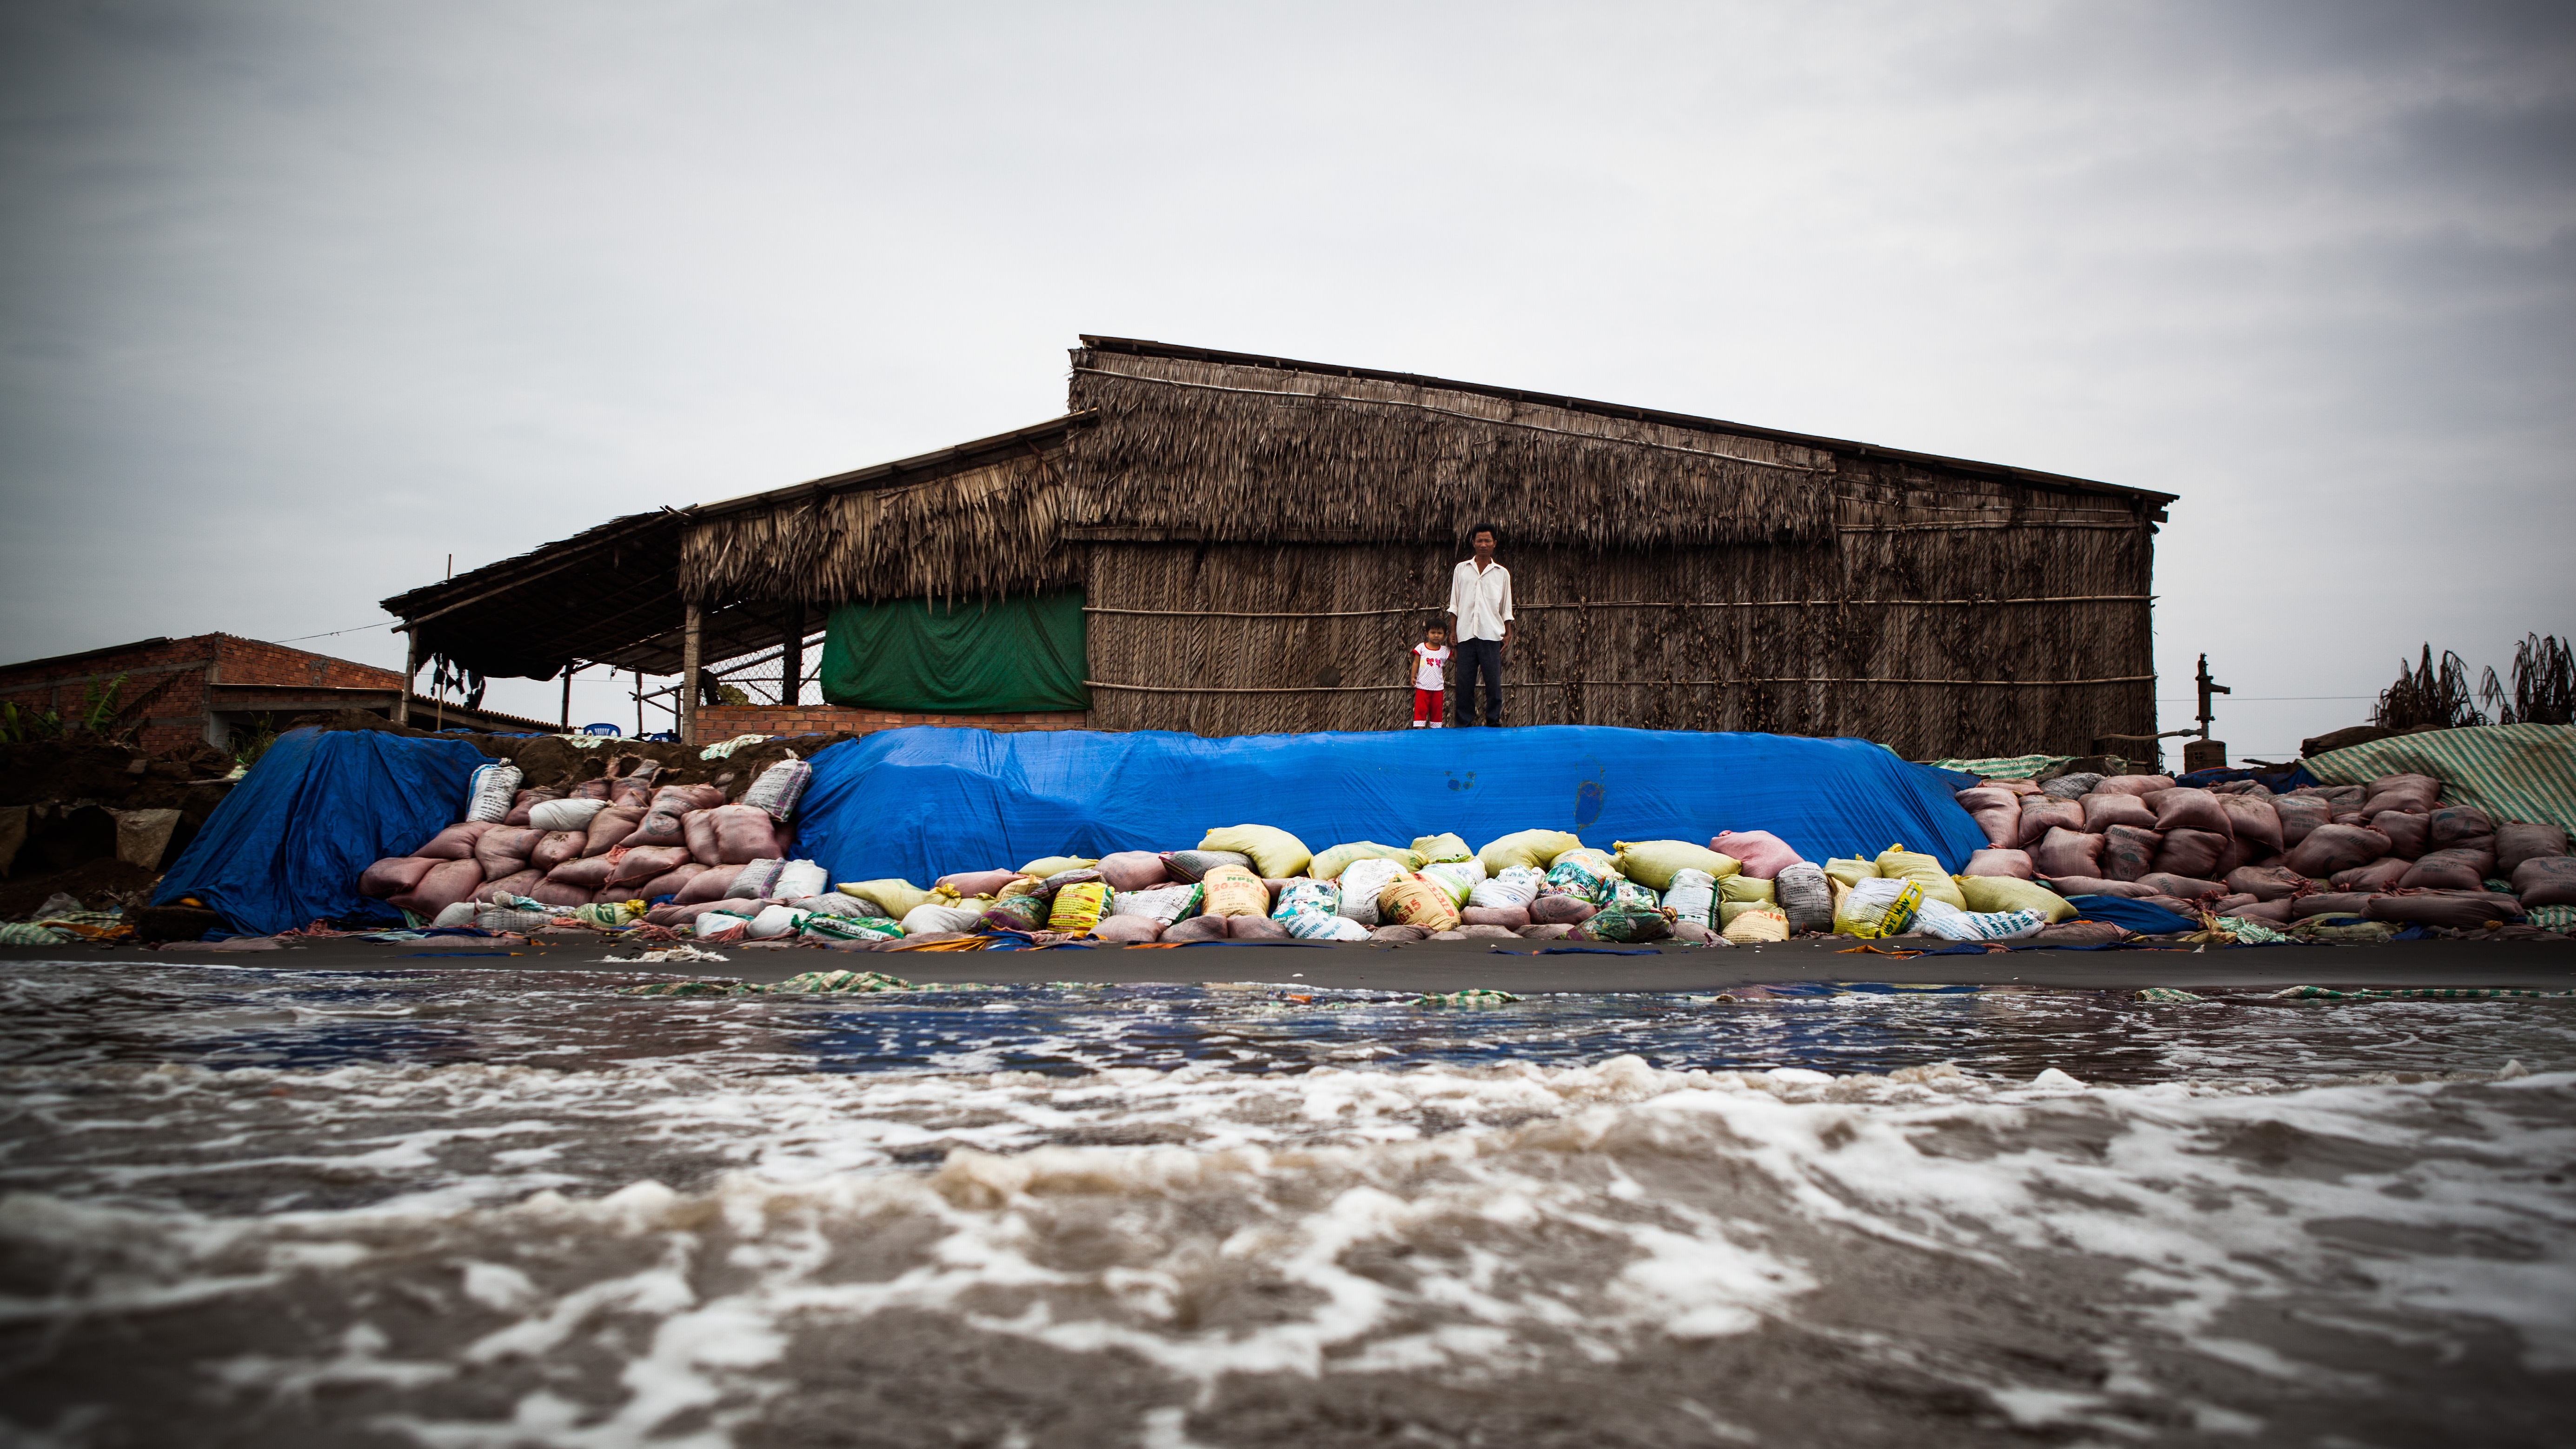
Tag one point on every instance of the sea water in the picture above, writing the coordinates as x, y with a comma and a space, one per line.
478, 1208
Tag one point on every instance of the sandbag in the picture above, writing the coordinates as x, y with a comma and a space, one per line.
934, 918
798, 879
2014, 863
1538, 932
677, 915
1651, 863
2518, 841
2076, 885
2456, 825
556, 893
1049, 886
712, 884
635, 867
2266, 882
1274, 852
975, 882
671, 882
1851, 870
1127, 930
2194, 853
1514, 889
1234, 891
2252, 822
1077, 909
528, 800
2071, 787
1331, 864
2041, 814
662, 822
2275, 914
775, 793
1643, 925
2330, 848
1458, 877
1413, 901
491, 790
743, 833
1016, 913
1988, 894
1133, 870
1997, 813
1165, 903
2185, 808
1876, 908
1197, 928
2380, 875
609, 829
589, 873
2187, 909
1537, 849
2409, 834
2546, 880
518, 883
2457, 910
1361, 881
1805, 897
2078, 933
1560, 910
572, 814
2069, 852
896, 898
2128, 852
2182, 887
1048, 866
1694, 895
1195, 864
2448, 870
1984, 925
395, 875
456, 842
441, 886
1898, 863
2335, 903
758, 881
1513, 917
2101, 812
2414, 794
1582, 873
1436, 848
2300, 814
1324, 926
504, 849
1254, 928
2138, 785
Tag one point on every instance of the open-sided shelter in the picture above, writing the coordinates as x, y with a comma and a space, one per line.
1230, 544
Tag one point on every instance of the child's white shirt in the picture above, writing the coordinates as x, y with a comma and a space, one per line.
1426, 669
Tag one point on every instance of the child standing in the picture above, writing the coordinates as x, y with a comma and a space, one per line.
1427, 659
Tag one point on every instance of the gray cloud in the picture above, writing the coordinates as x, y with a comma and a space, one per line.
298, 300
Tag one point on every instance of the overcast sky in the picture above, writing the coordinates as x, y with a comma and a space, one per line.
300, 299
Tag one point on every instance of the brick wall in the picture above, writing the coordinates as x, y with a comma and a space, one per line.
250, 661
718, 722
177, 715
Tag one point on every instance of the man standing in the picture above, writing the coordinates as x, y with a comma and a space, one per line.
1480, 595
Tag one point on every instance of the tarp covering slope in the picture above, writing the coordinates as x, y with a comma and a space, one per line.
2512, 772
923, 802
287, 845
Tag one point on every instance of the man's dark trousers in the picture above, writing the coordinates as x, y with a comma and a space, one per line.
1473, 657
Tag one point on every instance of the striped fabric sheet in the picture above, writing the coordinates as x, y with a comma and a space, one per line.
2512, 772
2014, 767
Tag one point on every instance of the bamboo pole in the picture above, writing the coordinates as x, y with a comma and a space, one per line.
692, 641
411, 671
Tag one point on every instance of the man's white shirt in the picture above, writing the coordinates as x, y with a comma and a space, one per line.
1481, 598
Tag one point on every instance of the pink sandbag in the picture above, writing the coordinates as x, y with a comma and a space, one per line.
2459, 910
1514, 917
2457, 825
2339, 903
2380, 875
1242, 928
708, 886
2187, 909
1129, 930
2128, 852
2013, 863
979, 882
1997, 813
525, 801
2078, 885
677, 914
2232, 905
2068, 852
698, 833
631, 793
671, 882
2041, 814
586, 874
509, 885
2102, 811
2139, 785
2166, 883
744, 833
2193, 853
2266, 882
447, 882
2518, 841
2300, 814
456, 842
2448, 870
1762, 854
2242, 852
1556, 931
2184, 808
643, 863
555, 847
2546, 880
2330, 848
590, 790
504, 850
395, 875
2253, 820
2414, 794
1196, 928
1133, 870
1561, 910
2275, 914
2409, 835
609, 829
556, 893
660, 825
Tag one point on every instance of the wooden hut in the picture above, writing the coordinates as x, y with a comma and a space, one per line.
1256, 541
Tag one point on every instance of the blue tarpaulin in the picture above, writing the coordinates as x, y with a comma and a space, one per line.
287, 845
925, 801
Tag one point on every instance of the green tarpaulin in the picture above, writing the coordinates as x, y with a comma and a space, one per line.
967, 656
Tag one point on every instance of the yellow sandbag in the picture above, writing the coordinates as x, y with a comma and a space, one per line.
1898, 863
1745, 890
1077, 908
1876, 908
1756, 925
1851, 870
1409, 900
1727, 911
1056, 865
1331, 864
1652, 862
1233, 891
2009, 893
1537, 849
1436, 848
1278, 853
897, 898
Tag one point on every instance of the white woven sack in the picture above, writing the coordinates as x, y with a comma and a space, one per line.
1693, 896
778, 787
800, 878
490, 790
1361, 882
1514, 889
563, 814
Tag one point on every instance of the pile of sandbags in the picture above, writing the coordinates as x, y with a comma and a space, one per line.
2386, 851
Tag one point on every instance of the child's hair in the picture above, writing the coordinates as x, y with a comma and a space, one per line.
1435, 627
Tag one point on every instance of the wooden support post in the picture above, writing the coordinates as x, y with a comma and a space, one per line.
639, 704
692, 638
791, 653
569, 671
411, 671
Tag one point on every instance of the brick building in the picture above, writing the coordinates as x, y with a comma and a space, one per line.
203, 687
